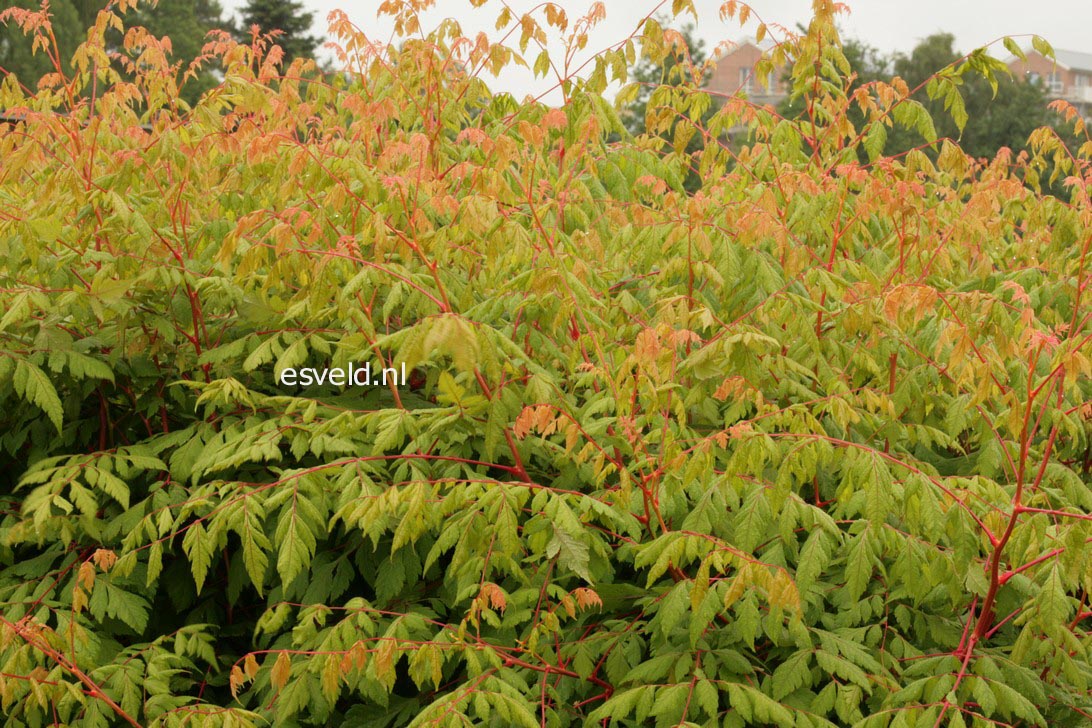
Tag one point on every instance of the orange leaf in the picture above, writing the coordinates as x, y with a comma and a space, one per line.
586, 597
87, 575
104, 559
282, 669
250, 666
236, 680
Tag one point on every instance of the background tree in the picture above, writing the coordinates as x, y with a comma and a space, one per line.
286, 16
867, 64
994, 120
87, 10
661, 85
186, 22
1004, 119
16, 55
673, 70
809, 448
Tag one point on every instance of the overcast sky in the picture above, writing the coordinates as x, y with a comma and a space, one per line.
887, 24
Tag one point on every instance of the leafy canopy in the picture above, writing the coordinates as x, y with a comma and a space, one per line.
186, 22
808, 446
983, 112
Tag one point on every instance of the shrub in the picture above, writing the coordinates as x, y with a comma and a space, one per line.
809, 446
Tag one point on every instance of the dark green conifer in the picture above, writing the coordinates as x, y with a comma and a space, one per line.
286, 16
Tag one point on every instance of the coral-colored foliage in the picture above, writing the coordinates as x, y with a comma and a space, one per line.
808, 446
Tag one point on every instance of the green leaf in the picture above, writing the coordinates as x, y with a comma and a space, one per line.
571, 553
32, 384
874, 140
859, 566
1040, 44
295, 541
108, 600
1014, 48
199, 548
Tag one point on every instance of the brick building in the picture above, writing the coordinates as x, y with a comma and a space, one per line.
735, 72
1069, 78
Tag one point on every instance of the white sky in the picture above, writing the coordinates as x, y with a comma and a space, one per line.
887, 24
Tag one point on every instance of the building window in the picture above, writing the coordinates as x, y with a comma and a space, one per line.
771, 82
1054, 85
745, 78
1034, 77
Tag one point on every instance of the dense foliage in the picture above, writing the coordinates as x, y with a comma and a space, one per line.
991, 113
186, 22
809, 446
19, 57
